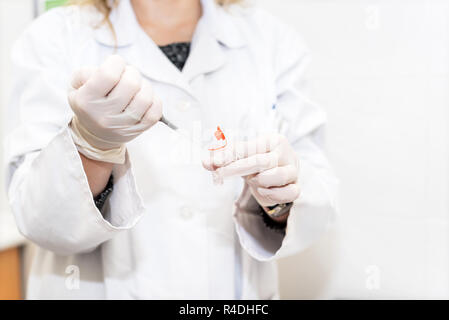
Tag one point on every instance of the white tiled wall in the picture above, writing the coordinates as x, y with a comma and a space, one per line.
380, 70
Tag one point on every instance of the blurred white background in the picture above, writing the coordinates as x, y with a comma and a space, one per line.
14, 16
380, 69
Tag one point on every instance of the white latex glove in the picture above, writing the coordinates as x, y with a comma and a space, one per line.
112, 106
268, 164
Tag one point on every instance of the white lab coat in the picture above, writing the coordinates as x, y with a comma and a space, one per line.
166, 231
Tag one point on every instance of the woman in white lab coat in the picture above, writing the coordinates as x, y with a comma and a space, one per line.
118, 204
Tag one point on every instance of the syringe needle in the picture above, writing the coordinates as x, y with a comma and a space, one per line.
168, 123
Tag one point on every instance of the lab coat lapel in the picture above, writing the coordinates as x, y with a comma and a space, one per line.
154, 65
206, 53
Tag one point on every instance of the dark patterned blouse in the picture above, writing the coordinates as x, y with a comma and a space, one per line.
177, 53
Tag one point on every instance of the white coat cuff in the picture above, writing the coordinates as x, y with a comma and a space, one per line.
54, 206
124, 207
309, 218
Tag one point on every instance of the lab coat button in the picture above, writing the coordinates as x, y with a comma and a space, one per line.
183, 105
186, 213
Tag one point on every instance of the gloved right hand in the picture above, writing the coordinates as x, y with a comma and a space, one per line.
112, 105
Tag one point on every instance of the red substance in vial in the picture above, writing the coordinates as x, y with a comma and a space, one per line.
219, 135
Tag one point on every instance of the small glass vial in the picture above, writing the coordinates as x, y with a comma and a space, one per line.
217, 149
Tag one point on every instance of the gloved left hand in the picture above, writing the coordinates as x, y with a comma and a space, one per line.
268, 164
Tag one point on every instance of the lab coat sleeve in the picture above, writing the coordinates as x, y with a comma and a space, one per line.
47, 188
312, 214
